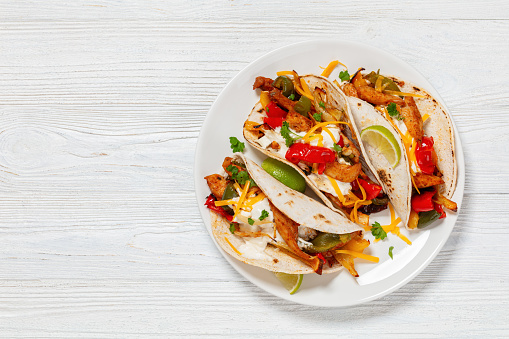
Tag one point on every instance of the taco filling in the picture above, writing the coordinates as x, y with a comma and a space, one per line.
398, 106
259, 233
309, 129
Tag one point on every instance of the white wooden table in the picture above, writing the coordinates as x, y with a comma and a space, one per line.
101, 104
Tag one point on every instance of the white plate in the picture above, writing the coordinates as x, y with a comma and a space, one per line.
226, 118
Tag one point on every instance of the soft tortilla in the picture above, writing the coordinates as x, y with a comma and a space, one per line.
299, 207
439, 126
396, 181
336, 98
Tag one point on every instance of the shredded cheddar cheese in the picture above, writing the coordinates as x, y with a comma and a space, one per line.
328, 70
241, 199
336, 189
322, 124
233, 247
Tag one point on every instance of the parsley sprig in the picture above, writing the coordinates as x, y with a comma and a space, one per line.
317, 117
393, 111
378, 231
240, 176
264, 215
344, 76
236, 145
338, 149
285, 133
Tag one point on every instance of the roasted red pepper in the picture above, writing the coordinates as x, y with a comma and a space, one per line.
210, 204
440, 210
273, 122
274, 111
372, 190
424, 155
341, 142
314, 154
423, 202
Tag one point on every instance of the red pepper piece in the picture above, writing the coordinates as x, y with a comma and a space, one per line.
321, 257
341, 142
273, 122
440, 210
372, 190
321, 168
274, 111
314, 154
424, 155
210, 204
423, 202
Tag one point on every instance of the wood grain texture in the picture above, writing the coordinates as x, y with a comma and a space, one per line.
101, 104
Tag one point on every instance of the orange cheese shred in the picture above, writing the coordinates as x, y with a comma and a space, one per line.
328, 70
233, 247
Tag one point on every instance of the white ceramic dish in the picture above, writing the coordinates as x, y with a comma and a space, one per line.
226, 118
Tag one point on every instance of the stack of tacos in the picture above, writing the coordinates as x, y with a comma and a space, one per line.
315, 126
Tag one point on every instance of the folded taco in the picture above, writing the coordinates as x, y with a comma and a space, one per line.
259, 221
424, 180
304, 121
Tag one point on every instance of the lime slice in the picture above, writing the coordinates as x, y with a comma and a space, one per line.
382, 139
290, 281
285, 173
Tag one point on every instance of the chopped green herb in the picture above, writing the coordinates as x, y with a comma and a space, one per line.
317, 117
240, 176
232, 227
267, 109
292, 96
344, 76
338, 149
390, 252
250, 221
321, 104
378, 231
236, 145
285, 133
264, 215
393, 111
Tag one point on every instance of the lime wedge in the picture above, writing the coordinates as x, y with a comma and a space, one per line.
382, 139
290, 281
285, 174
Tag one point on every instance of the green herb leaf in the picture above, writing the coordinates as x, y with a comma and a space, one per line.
250, 221
393, 111
377, 231
344, 76
236, 145
321, 104
292, 96
240, 176
232, 227
338, 149
285, 133
317, 117
264, 215
390, 252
